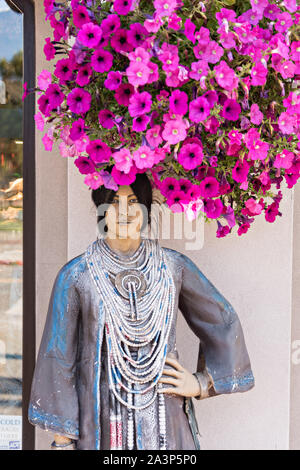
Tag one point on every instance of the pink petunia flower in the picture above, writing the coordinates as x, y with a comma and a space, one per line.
83, 75
49, 49
98, 151
258, 150
137, 73
55, 95
102, 61
77, 129
85, 165
119, 42
199, 109
123, 93
225, 76
140, 123
286, 123
209, 187
213, 208
44, 79
39, 121
178, 102
64, 70
80, 16
94, 180
177, 200
123, 160
48, 140
90, 35
174, 131
137, 34
231, 110
113, 80
110, 25
190, 156
139, 103
284, 159
256, 116
153, 136
122, 178
240, 171
106, 118
213, 52
164, 7
79, 101
199, 69
259, 74
168, 186
122, 7
284, 22
143, 157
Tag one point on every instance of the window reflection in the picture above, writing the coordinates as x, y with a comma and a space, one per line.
11, 226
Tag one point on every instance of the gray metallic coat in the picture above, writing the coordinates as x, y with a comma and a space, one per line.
69, 394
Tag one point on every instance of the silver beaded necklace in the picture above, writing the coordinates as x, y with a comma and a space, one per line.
138, 293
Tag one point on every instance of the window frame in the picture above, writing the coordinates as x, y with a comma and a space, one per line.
26, 7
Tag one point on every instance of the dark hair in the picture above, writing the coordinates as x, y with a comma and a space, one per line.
142, 189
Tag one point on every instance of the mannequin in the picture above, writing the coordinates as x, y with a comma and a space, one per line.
124, 220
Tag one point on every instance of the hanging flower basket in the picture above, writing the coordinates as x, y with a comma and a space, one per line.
200, 95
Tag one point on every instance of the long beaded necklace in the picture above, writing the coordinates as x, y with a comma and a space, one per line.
138, 293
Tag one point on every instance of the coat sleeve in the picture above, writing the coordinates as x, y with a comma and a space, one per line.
222, 350
53, 402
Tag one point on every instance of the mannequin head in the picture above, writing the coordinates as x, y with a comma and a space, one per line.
126, 212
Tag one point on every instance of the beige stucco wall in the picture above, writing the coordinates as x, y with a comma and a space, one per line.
254, 272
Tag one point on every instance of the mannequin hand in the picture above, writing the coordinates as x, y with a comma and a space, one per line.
183, 381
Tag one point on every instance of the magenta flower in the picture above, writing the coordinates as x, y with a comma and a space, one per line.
271, 12
44, 105
113, 80
199, 69
90, 35
77, 129
240, 171
122, 178
178, 102
164, 8
110, 25
225, 76
80, 16
284, 159
79, 101
83, 75
122, 7
177, 200
124, 93
49, 49
123, 160
168, 186
44, 79
209, 187
48, 140
64, 70
106, 118
137, 34
259, 74
286, 123
284, 22
140, 123
256, 116
139, 103
102, 60
253, 207
199, 109
120, 43
231, 110
258, 150
93, 180
213, 52
295, 51
137, 73
190, 156
55, 95
174, 22
84, 165
143, 157
174, 131
39, 121
213, 208
98, 151
139, 55
153, 136
189, 30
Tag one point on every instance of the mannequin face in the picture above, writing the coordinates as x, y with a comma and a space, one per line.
124, 216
